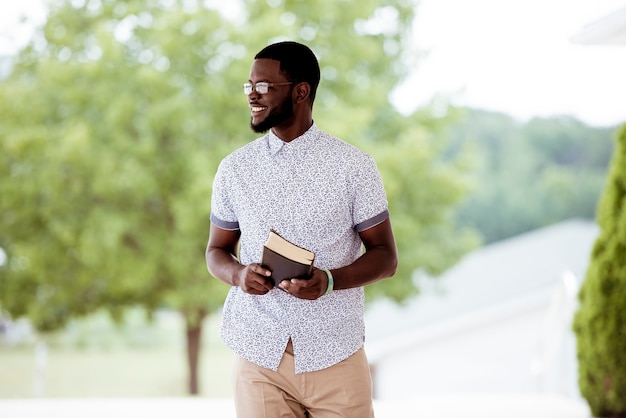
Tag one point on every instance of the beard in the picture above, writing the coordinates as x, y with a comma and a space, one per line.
277, 116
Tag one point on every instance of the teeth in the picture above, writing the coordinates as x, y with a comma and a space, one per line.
257, 108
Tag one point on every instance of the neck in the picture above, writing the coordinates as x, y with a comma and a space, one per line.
293, 130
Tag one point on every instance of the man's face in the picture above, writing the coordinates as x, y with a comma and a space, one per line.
275, 107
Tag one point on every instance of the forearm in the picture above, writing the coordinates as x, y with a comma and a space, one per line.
375, 264
378, 262
223, 265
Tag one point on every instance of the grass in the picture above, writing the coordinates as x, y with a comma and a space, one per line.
94, 358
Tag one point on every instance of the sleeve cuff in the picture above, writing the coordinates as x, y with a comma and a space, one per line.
368, 223
229, 226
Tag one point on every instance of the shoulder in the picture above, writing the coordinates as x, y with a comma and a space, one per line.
341, 149
245, 154
345, 157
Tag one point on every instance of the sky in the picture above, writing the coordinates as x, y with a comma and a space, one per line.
517, 57
509, 56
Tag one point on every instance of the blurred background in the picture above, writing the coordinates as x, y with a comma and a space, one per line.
492, 122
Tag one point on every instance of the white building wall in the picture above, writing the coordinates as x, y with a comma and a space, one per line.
502, 353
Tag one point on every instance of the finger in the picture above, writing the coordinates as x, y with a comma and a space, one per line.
259, 269
256, 285
285, 285
268, 285
258, 291
258, 282
262, 285
300, 282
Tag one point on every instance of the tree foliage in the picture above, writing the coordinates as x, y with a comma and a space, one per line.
423, 189
106, 156
530, 174
117, 113
600, 322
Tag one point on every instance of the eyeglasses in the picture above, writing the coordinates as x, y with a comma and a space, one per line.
261, 87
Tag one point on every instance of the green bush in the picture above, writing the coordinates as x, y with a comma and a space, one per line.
600, 322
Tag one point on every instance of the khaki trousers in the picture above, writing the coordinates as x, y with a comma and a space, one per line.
340, 391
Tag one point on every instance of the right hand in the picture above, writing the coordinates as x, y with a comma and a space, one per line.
255, 279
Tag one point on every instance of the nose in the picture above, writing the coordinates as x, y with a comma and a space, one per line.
253, 95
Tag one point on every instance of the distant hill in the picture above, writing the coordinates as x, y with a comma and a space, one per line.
529, 174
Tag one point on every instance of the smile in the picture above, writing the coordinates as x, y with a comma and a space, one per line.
256, 109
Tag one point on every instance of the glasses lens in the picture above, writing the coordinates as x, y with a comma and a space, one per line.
262, 88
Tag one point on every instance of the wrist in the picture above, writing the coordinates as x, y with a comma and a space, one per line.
237, 275
331, 282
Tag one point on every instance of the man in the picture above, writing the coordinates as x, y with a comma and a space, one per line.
299, 344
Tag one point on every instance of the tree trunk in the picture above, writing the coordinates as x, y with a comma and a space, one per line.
194, 342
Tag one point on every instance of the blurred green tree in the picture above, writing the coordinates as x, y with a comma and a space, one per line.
600, 322
117, 113
531, 174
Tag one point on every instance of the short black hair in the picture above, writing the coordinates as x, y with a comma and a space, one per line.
297, 62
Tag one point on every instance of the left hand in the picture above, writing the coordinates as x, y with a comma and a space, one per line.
311, 288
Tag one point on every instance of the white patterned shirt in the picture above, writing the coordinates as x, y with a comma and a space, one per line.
318, 192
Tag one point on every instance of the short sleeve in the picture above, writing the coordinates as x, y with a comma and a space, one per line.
370, 200
222, 211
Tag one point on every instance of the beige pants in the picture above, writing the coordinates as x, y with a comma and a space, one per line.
340, 391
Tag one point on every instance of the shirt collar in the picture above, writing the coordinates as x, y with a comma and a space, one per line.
275, 144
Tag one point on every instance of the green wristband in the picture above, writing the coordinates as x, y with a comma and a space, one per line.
331, 282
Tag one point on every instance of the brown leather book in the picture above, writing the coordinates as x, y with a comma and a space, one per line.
285, 259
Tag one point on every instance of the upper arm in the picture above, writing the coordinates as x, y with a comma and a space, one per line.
223, 239
380, 235
380, 238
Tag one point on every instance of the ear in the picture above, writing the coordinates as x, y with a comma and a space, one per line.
301, 92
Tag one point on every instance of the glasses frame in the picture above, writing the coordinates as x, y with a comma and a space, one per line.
262, 87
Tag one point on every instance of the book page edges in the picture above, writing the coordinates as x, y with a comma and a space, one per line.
280, 245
